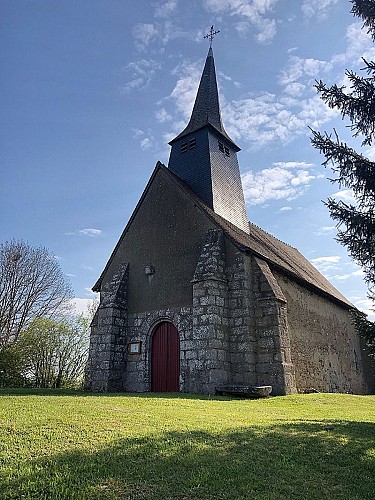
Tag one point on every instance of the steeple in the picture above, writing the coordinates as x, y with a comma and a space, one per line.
205, 157
206, 109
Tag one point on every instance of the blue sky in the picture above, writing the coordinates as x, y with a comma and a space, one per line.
93, 90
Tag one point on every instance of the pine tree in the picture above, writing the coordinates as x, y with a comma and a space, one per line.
355, 222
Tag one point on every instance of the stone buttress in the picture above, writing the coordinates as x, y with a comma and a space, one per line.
106, 365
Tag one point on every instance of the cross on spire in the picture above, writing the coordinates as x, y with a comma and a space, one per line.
211, 35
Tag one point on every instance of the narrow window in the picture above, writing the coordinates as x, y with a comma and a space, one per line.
224, 149
184, 147
192, 143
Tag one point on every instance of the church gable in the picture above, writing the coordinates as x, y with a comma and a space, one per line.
161, 243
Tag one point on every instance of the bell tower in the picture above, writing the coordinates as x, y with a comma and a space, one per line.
204, 155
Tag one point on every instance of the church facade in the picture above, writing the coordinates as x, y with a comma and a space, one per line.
195, 297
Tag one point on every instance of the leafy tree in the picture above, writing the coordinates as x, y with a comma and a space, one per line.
11, 367
32, 285
54, 353
355, 222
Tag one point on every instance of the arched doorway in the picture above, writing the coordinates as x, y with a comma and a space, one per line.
165, 358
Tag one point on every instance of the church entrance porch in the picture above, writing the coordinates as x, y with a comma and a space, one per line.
165, 358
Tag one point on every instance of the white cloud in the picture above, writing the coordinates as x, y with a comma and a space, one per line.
285, 209
299, 67
165, 8
294, 89
146, 139
316, 8
140, 74
359, 44
327, 264
325, 230
282, 181
268, 118
365, 305
185, 90
162, 116
81, 306
145, 144
341, 277
359, 272
293, 164
345, 195
84, 232
251, 14
328, 259
90, 232
144, 34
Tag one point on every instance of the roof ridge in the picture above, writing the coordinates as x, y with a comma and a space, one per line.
272, 236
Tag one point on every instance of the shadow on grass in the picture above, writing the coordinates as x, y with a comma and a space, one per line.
320, 460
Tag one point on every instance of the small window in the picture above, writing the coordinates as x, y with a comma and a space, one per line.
184, 147
192, 143
224, 149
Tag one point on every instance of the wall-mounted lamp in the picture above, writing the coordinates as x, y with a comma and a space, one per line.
149, 270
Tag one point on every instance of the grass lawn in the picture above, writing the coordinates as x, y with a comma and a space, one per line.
71, 445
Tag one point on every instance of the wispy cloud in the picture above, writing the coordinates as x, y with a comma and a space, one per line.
144, 34
162, 115
165, 9
325, 230
89, 231
285, 180
299, 67
146, 139
345, 195
140, 74
366, 305
250, 15
359, 44
327, 264
316, 8
269, 118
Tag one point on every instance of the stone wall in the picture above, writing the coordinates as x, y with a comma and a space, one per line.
325, 349
274, 364
106, 362
210, 343
243, 341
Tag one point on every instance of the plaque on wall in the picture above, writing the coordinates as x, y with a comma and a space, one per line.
134, 347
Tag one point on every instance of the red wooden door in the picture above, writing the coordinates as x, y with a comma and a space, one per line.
165, 359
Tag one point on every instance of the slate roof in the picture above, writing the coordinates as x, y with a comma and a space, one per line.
281, 256
206, 110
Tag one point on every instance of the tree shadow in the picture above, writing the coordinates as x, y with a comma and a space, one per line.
303, 460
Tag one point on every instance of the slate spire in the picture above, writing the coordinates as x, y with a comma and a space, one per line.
206, 110
205, 157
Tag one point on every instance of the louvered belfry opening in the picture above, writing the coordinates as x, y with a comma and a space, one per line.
165, 358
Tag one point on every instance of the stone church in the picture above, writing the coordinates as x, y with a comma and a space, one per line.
195, 297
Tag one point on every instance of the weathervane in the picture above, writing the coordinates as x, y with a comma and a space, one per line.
211, 34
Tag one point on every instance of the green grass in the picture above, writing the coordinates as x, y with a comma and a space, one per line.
71, 445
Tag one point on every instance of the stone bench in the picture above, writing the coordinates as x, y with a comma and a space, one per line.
244, 391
